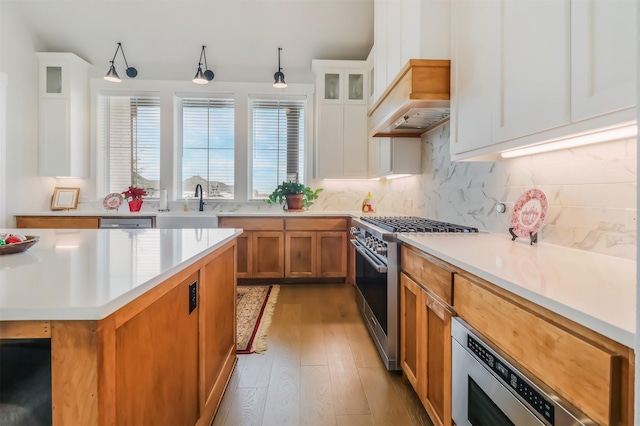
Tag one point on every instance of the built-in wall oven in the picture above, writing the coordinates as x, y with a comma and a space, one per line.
489, 388
378, 275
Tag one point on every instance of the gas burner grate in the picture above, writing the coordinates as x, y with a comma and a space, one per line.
415, 224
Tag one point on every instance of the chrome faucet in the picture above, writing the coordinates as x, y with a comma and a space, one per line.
202, 202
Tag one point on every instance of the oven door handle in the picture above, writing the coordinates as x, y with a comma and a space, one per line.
380, 267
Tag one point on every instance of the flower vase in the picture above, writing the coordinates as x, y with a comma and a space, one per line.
135, 205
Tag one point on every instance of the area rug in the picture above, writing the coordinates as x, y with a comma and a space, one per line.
255, 307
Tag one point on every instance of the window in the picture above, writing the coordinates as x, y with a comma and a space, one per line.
277, 135
128, 144
208, 147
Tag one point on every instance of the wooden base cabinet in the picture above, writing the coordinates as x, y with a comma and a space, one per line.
436, 323
332, 254
260, 247
411, 336
591, 372
268, 251
75, 222
157, 362
300, 254
426, 348
292, 247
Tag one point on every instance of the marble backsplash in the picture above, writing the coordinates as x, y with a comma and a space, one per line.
591, 190
592, 193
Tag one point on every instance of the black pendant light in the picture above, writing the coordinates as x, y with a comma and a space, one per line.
279, 76
206, 76
112, 74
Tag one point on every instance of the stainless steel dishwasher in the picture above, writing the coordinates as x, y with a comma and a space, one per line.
126, 222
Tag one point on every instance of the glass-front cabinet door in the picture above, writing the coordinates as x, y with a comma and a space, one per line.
332, 86
53, 80
355, 87
332, 82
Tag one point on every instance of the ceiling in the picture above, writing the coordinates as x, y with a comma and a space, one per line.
163, 38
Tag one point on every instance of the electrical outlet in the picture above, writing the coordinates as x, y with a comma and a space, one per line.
193, 296
631, 219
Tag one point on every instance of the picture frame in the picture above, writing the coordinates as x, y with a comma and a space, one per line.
65, 198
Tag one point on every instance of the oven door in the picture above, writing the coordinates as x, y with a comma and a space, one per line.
371, 280
481, 399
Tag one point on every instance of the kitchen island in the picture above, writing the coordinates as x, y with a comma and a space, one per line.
141, 322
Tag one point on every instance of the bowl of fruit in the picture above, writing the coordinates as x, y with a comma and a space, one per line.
16, 243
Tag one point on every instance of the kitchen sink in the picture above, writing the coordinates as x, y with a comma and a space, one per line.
186, 220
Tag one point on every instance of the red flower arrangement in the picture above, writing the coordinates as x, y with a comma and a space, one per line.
134, 193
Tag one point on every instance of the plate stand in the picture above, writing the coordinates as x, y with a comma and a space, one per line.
532, 237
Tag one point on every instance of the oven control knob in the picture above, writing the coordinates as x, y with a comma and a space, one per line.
381, 249
355, 230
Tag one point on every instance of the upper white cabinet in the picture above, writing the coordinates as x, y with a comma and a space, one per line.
371, 69
526, 71
341, 111
394, 156
473, 55
603, 57
63, 124
533, 73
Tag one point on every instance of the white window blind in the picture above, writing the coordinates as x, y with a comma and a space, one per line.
208, 147
128, 144
277, 134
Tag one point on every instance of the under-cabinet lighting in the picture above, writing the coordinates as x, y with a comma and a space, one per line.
350, 180
604, 135
67, 246
397, 176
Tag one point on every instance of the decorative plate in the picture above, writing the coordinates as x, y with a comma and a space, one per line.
112, 201
21, 246
529, 213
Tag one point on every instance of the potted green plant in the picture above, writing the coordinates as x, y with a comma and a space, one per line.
296, 195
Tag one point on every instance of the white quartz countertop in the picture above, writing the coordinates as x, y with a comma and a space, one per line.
283, 213
124, 212
86, 274
594, 290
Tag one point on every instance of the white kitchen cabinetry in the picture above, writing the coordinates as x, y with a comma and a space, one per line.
371, 70
603, 56
575, 77
394, 156
341, 108
533, 73
63, 115
474, 54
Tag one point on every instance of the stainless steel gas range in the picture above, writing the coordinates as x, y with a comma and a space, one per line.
378, 275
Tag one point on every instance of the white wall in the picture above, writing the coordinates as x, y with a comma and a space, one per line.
3, 149
25, 191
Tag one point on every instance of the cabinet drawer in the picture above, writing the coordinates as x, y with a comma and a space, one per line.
251, 224
316, 224
432, 274
71, 222
585, 374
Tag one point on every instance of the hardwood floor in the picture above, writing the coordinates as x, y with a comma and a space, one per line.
321, 368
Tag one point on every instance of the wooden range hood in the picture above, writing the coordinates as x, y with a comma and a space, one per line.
416, 101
